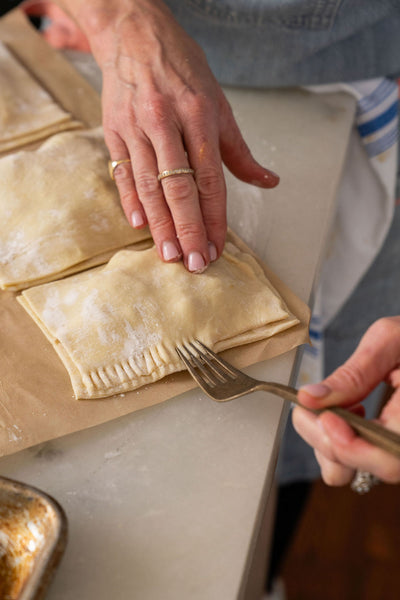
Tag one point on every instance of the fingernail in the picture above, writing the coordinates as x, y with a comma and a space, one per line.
213, 251
318, 390
170, 252
137, 218
196, 263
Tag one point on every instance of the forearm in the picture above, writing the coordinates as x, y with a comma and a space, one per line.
109, 25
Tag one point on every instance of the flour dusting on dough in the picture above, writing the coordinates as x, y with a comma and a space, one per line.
54, 314
127, 318
58, 209
138, 339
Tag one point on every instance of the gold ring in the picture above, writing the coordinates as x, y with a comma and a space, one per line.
181, 171
113, 164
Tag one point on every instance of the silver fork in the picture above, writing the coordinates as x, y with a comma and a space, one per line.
223, 382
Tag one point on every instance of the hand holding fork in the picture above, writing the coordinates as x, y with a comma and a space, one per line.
222, 382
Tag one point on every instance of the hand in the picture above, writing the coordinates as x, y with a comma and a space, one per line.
338, 449
163, 109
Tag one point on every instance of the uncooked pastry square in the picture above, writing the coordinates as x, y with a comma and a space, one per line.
27, 111
116, 327
59, 210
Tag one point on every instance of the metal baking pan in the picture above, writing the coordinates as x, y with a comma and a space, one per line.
33, 535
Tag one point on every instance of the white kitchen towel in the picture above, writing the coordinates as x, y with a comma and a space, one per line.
365, 206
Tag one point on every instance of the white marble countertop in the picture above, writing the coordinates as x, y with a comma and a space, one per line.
166, 503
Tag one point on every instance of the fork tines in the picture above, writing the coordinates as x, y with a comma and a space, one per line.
204, 365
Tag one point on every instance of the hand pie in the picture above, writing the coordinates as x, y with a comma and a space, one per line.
116, 327
59, 210
27, 112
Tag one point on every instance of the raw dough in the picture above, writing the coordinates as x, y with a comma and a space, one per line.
59, 210
116, 327
27, 112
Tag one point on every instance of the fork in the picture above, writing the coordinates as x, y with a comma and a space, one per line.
222, 382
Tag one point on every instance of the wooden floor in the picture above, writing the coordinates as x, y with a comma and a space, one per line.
346, 546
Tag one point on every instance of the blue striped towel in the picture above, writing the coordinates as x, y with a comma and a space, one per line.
365, 206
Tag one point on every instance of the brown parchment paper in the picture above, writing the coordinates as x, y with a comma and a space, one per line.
36, 399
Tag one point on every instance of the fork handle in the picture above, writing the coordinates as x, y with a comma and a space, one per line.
369, 430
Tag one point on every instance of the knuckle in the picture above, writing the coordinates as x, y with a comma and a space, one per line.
178, 188
210, 182
190, 231
119, 120
350, 374
197, 104
147, 186
123, 175
383, 328
394, 378
160, 225
156, 112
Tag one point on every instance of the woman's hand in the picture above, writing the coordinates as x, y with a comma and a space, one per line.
163, 109
338, 449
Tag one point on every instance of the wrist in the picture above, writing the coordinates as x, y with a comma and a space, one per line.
94, 18
101, 20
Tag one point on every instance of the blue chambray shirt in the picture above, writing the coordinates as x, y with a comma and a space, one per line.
278, 43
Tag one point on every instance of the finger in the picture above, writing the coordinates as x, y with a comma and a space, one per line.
353, 451
237, 156
335, 441
181, 195
390, 415
151, 196
394, 378
376, 356
180, 191
308, 427
123, 177
333, 473
205, 158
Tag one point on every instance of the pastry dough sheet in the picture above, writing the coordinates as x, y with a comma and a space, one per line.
60, 211
27, 111
116, 327
36, 397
